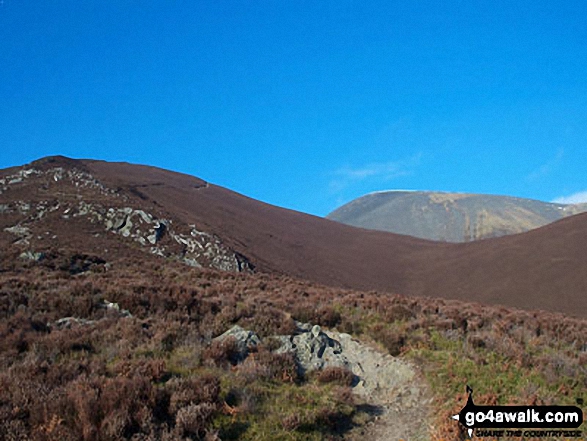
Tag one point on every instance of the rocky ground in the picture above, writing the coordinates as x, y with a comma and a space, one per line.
389, 389
113, 209
37, 214
397, 397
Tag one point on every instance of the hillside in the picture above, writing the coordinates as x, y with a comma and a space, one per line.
450, 217
136, 303
88, 204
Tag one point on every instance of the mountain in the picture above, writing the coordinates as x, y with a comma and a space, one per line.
139, 303
450, 217
94, 212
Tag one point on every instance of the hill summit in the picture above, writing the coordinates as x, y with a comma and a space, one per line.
450, 217
75, 215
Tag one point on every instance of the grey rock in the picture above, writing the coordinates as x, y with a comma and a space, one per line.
303, 327
22, 232
83, 209
191, 262
23, 207
146, 217
159, 231
313, 349
68, 322
116, 307
245, 340
117, 223
31, 255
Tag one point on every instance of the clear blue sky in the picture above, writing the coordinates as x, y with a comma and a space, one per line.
305, 104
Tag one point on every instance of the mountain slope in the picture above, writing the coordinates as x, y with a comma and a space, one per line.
541, 269
450, 217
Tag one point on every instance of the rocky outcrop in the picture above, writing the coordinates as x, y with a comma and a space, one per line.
70, 322
245, 340
312, 348
389, 384
82, 196
197, 248
23, 234
78, 178
35, 256
110, 306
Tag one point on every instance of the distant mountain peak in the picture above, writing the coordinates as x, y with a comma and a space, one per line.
450, 217
74, 214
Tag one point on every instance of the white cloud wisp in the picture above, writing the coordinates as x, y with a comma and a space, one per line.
575, 198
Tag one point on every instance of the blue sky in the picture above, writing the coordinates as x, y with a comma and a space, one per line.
305, 104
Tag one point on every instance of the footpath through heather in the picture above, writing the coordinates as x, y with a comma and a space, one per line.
390, 390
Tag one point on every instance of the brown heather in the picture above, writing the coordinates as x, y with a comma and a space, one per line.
158, 374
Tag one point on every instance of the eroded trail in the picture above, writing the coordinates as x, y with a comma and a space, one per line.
390, 388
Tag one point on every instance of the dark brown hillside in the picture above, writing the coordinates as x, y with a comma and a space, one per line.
127, 352
277, 239
58, 203
116, 279
541, 269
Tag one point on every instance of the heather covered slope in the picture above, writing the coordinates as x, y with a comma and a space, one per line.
116, 280
74, 367
450, 217
543, 268
184, 218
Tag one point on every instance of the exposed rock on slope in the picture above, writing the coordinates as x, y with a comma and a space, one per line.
540, 269
450, 217
45, 202
400, 400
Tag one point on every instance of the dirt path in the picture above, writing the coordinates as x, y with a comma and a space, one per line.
391, 391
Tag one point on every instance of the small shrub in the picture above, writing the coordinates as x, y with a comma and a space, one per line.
193, 420
328, 316
223, 352
338, 375
398, 313
393, 340
292, 422
281, 367
344, 395
203, 389
476, 341
270, 321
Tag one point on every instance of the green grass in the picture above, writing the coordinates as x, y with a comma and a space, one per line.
507, 356
450, 364
282, 411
